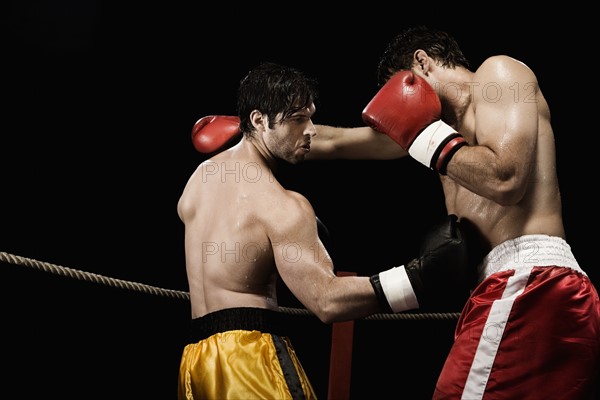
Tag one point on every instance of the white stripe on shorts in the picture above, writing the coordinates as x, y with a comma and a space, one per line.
492, 335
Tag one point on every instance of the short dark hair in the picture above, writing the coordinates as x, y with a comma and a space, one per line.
398, 54
273, 89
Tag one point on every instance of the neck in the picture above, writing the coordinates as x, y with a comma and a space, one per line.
456, 94
258, 151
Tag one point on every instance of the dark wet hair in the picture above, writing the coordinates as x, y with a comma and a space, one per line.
398, 54
273, 89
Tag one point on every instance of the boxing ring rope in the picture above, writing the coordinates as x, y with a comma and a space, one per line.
340, 366
178, 294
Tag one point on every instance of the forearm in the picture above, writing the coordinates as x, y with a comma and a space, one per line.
479, 169
347, 298
360, 143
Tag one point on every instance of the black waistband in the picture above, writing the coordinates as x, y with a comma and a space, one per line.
242, 318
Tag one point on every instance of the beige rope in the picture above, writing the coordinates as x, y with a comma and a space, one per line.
122, 284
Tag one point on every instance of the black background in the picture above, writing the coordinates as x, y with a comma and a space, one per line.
99, 101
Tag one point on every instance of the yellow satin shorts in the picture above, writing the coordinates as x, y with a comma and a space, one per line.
242, 364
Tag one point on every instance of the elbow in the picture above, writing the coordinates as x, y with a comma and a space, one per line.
507, 185
326, 312
327, 318
508, 193
324, 316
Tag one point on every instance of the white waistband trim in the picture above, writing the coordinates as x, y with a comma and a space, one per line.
526, 252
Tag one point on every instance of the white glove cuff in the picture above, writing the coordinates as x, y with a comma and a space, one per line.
425, 145
398, 290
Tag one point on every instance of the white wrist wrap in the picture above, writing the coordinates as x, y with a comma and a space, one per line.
398, 290
425, 145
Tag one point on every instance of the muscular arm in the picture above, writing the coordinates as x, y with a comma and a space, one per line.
307, 270
498, 165
362, 143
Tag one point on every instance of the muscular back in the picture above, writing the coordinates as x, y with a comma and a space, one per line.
229, 259
508, 187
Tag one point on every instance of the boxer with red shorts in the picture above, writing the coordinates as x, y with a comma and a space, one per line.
531, 327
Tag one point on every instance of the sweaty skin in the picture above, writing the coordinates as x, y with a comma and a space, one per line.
505, 182
242, 229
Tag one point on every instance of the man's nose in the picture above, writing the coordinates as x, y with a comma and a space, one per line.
311, 129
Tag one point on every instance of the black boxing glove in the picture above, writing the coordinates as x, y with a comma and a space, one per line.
438, 279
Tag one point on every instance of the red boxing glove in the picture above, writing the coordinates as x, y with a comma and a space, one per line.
408, 110
214, 132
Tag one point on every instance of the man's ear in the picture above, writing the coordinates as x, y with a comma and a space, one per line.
422, 61
259, 120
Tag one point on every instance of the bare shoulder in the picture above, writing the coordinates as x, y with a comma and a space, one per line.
502, 68
290, 206
189, 195
503, 81
288, 214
